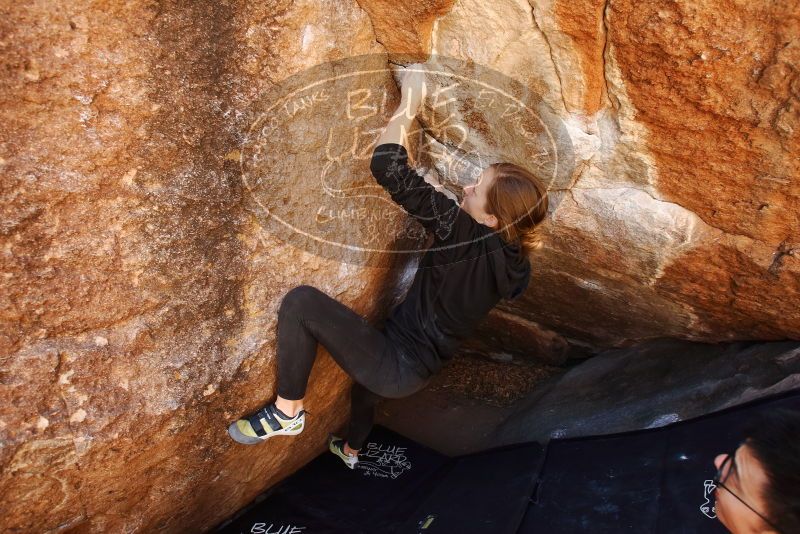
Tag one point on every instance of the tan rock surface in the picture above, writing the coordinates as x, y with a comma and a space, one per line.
140, 288
139, 293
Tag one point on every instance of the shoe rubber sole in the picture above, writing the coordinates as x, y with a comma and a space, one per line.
348, 461
237, 435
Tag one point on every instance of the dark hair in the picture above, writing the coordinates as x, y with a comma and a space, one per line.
519, 201
774, 439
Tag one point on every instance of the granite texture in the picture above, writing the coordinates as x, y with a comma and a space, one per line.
140, 287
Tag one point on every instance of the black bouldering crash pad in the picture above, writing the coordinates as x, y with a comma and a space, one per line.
654, 480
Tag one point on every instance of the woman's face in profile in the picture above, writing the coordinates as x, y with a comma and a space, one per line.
475, 197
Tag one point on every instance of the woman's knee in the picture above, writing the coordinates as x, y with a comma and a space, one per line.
302, 297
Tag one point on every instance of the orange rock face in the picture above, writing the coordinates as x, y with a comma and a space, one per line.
139, 296
720, 104
404, 29
140, 287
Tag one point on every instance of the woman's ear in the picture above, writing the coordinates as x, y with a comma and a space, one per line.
491, 221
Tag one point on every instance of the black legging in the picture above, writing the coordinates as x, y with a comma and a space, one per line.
378, 367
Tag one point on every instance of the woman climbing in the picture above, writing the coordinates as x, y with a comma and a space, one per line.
479, 255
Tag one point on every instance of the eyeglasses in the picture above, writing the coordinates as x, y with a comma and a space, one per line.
719, 481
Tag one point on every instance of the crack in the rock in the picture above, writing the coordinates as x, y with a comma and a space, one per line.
604, 20
72, 437
777, 262
552, 58
374, 33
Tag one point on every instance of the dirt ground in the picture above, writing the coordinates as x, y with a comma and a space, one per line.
496, 383
458, 412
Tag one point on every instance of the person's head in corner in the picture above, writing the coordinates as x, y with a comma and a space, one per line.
759, 488
510, 200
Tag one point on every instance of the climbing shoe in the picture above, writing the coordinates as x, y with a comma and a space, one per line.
336, 446
269, 421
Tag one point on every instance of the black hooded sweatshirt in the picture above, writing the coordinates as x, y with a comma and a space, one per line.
460, 278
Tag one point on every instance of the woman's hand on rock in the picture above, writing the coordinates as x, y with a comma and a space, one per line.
412, 85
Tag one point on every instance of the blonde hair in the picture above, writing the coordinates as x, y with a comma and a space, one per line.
519, 201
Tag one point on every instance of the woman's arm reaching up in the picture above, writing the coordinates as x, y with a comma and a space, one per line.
389, 165
412, 93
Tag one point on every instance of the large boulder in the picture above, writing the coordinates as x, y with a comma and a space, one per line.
650, 384
139, 291
141, 281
